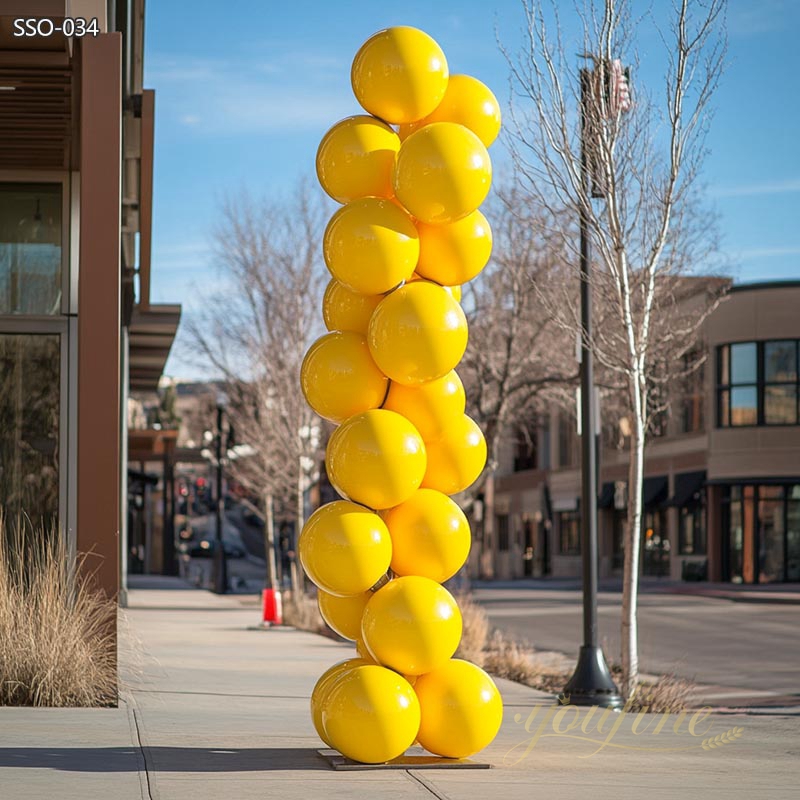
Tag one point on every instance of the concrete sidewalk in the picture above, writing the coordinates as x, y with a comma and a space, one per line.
214, 710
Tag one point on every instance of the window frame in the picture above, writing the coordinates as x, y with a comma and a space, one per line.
724, 386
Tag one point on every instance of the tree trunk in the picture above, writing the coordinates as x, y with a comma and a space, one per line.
630, 579
269, 543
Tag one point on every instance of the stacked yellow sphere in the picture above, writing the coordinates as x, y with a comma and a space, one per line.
410, 175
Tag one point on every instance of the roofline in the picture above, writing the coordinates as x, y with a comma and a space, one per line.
746, 287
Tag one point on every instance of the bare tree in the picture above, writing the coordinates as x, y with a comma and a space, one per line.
255, 332
517, 357
649, 232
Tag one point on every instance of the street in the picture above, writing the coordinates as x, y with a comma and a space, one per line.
753, 646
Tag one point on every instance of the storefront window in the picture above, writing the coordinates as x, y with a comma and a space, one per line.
569, 533
30, 248
692, 530
29, 427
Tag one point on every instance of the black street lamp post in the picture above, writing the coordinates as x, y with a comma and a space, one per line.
220, 572
591, 684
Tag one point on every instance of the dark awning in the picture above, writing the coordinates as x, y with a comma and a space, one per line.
654, 491
606, 499
688, 488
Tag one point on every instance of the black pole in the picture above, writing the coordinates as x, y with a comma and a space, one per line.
220, 564
591, 684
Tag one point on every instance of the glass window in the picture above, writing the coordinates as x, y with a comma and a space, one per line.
29, 426
569, 533
744, 405
30, 248
780, 362
780, 405
502, 532
770, 534
692, 530
758, 383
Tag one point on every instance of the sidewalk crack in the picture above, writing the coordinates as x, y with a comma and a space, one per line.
136, 734
427, 785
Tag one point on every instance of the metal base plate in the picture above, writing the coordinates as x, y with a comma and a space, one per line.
414, 758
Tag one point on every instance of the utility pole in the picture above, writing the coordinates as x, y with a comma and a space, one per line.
591, 684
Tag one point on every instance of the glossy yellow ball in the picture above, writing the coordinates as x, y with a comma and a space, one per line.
456, 458
418, 333
399, 74
339, 377
371, 714
443, 172
461, 709
343, 614
376, 458
346, 310
371, 245
356, 159
470, 103
455, 253
345, 548
453, 291
412, 624
430, 407
323, 686
430, 536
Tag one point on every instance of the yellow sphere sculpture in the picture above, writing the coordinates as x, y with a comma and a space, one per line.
412, 624
371, 245
468, 102
345, 548
443, 173
343, 614
323, 685
461, 709
356, 159
431, 406
376, 458
455, 253
339, 378
399, 74
371, 714
418, 333
430, 536
456, 458
346, 310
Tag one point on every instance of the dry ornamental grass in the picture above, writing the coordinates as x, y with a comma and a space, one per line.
57, 643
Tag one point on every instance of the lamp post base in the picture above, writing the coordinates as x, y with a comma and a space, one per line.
591, 684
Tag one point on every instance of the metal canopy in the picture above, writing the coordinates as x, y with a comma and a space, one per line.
152, 332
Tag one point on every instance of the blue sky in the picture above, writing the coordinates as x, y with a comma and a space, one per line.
243, 98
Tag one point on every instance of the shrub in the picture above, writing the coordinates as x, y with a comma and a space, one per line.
57, 638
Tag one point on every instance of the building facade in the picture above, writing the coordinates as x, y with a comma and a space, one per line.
77, 328
722, 480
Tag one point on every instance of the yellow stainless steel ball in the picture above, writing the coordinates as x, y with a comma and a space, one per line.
455, 291
399, 74
455, 253
430, 536
371, 714
430, 407
461, 709
323, 686
376, 458
363, 653
346, 310
356, 159
412, 624
339, 377
456, 458
443, 172
343, 614
418, 333
371, 245
470, 103
345, 548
